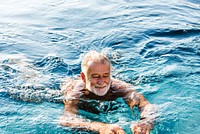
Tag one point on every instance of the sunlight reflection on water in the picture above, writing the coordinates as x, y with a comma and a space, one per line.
153, 45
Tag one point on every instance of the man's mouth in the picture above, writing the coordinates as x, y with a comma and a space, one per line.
100, 86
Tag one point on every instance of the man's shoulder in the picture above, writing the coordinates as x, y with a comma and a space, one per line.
122, 89
120, 85
70, 85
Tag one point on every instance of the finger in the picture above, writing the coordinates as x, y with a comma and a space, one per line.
118, 131
144, 130
121, 132
148, 131
138, 129
113, 132
136, 132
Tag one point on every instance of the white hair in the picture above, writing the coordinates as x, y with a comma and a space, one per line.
96, 57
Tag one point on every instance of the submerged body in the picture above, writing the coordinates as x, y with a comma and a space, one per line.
96, 84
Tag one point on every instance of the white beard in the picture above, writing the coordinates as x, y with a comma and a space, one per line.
97, 90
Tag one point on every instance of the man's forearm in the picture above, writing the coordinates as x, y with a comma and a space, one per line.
149, 114
79, 123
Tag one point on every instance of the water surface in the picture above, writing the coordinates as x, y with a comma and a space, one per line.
154, 45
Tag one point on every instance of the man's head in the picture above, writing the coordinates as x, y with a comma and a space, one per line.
96, 68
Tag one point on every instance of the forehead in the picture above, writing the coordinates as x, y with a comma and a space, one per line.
98, 68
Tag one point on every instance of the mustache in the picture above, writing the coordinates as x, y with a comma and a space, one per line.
101, 86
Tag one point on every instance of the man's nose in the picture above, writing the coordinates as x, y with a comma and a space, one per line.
100, 80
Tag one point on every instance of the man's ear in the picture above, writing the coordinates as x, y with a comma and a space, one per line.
83, 77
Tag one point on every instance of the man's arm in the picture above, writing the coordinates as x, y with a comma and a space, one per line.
71, 119
148, 111
148, 115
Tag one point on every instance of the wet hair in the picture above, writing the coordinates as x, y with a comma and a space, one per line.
96, 57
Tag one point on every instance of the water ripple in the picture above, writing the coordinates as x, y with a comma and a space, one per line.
53, 65
152, 43
180, 33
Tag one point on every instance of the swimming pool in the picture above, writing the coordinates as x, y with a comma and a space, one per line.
154, 45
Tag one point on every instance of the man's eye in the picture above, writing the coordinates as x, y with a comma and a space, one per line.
106, 76
95, 76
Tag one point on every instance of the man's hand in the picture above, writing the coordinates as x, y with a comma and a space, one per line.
141, 128
111, 129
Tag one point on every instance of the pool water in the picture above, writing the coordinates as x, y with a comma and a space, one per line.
154, 45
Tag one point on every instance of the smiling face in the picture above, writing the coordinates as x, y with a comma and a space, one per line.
97, 77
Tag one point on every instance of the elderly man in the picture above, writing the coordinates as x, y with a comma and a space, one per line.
96, 84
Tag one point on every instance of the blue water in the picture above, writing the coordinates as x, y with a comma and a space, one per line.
154, 45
